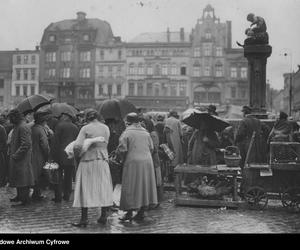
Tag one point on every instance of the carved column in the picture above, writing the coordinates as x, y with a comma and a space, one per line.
257, 60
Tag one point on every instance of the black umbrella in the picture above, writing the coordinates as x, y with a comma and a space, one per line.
57, 109
33, 103
116, 109
197, 118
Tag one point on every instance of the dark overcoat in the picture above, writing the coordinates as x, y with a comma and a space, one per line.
3, 158
65, 133
21, 172
40, 150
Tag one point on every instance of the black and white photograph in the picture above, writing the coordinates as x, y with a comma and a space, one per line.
148, 117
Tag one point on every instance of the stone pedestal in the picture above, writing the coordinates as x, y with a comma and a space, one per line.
257, 60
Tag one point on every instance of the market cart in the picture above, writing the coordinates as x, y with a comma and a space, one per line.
184, 199
281, 177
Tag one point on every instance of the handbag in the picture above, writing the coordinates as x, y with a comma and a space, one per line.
51, 172
169, 153
116, 168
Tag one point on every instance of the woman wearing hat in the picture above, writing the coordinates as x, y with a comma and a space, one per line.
138, 179
93, 186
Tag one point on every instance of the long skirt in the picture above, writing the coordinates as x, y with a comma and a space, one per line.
93, 187
138, 185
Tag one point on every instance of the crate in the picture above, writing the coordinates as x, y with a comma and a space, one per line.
232, 156
284, 152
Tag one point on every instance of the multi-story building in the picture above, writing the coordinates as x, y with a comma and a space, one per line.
67, 58
5, 80
157, 70
25, 75
296, 93
177, 69
110, 71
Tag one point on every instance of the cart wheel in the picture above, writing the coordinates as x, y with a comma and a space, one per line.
291, 199
256, 198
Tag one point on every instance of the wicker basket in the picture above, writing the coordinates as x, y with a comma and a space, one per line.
232, 156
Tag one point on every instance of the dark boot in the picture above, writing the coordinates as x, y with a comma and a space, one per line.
84, 218
127, 216
140, 216
104, 215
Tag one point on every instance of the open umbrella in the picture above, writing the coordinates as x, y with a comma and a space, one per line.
59, 108
197, 118
116, 109
33, 103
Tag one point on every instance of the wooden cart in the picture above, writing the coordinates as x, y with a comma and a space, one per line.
186, 200
280, 177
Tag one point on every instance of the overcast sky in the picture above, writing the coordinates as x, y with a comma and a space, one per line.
22, 22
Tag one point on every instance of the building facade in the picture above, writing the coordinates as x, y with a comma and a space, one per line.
67, 59
5, 80
25, 74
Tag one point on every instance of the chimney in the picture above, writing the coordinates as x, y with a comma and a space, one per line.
37, 48
168, 35
228, 35
181, 34
81, 15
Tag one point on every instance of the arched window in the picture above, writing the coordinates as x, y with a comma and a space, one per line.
131, 69
164, 69
149, 69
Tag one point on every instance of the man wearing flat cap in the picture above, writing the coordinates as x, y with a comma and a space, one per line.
212, 110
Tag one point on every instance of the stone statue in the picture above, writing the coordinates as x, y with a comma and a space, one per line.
256, 35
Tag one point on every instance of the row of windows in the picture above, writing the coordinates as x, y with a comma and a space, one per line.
66, 73
157, 89
53, 38
66, 56
197, 71
26, 59
110, 70
207, 51
108, 90
164, 69
109, 52
26, 74
25, 90
242, 93
157, 52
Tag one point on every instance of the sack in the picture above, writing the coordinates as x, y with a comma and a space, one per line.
116, 168
169, 153
51, 172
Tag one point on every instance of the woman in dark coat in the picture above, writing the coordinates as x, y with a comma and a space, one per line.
3, 152
21, 172
41, 150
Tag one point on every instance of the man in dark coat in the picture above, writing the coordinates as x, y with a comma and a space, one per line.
21, 172
3, 158
41, 151
247, 126
65, 132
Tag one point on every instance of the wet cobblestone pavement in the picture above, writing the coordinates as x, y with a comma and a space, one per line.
48, 217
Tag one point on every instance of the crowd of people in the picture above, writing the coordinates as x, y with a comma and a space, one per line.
147, 148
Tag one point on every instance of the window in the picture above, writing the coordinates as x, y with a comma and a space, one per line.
1, 83
18, 71
197, 52
100, 70
149, 70
32, 89
207, 50
208, 35
51, 57
164, 69
183, 70
110, 70
119, 89
33, 75
68, 40
196, 70
50, 73
233, 92
207, 71
233, 72
157, 69
25, 90
51, 38
85, 73
18, 59
243, 93
65, 56
100, 89
25, 59
120, 54
149, 89
174, 69
25, 74
173, 89
119, 70
86, 37
243, 72
140, 69
65, 73
131, 69
219, 70
85, 56
102, 54
17, 90
131, 89
156, 89
140, 89
182, 89
33, 59
109, 90
219, 51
